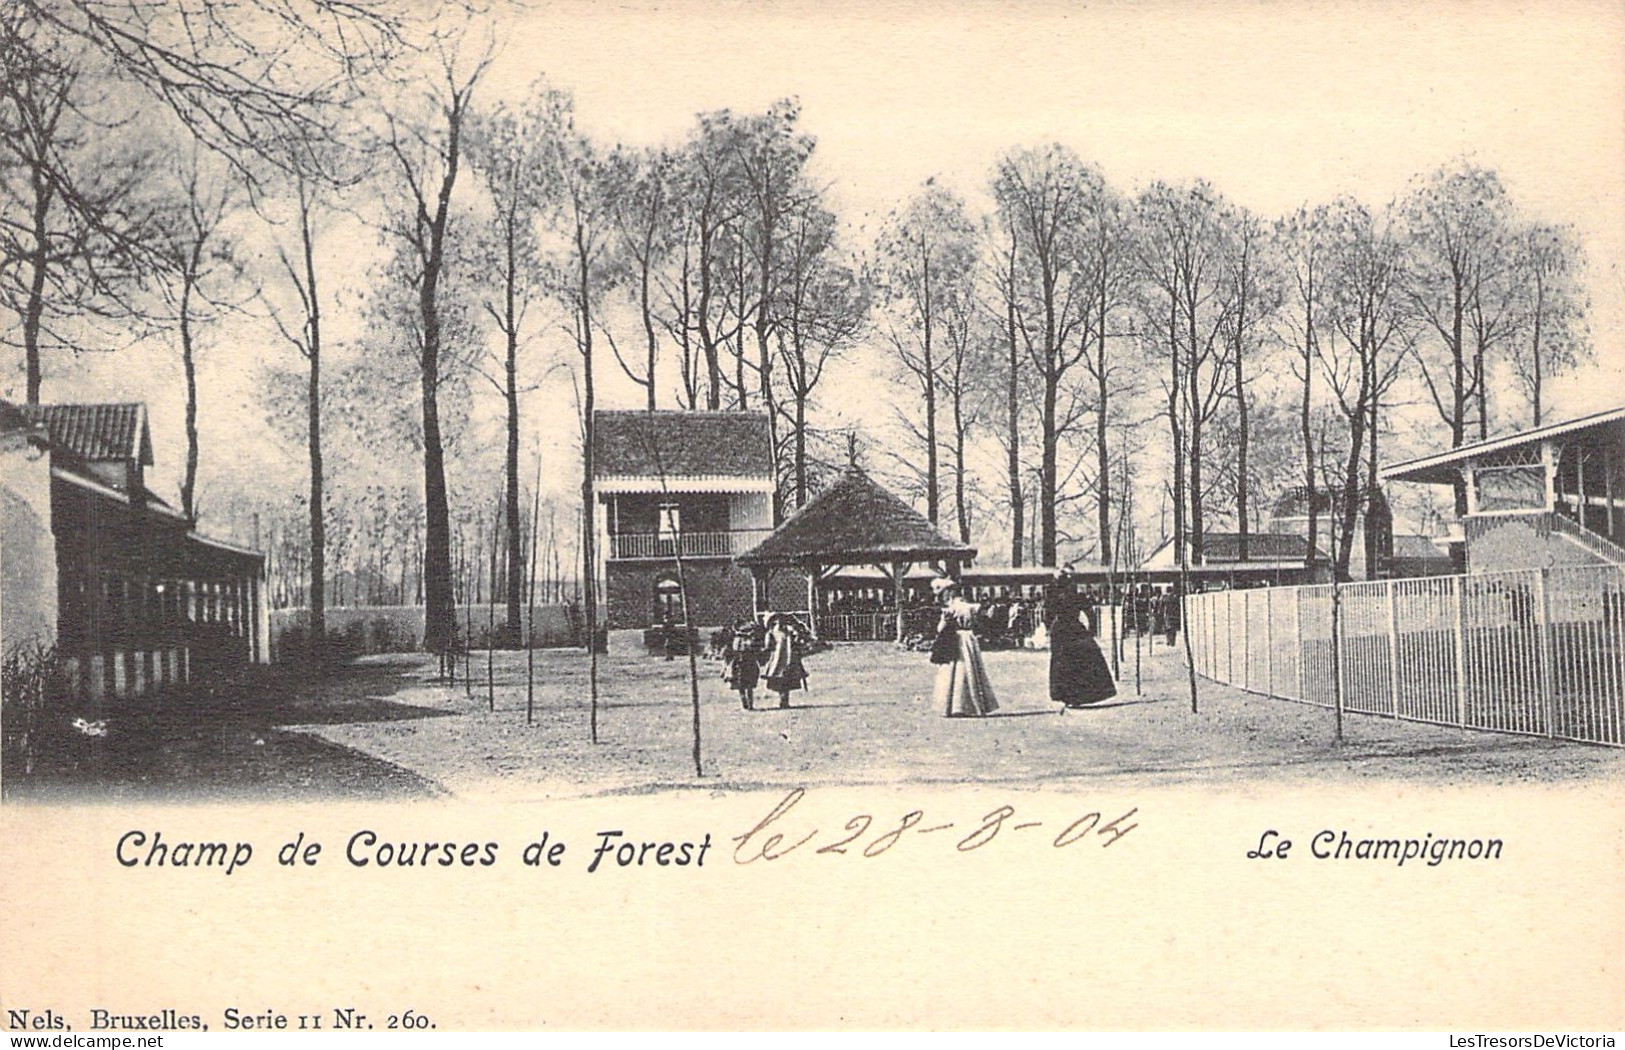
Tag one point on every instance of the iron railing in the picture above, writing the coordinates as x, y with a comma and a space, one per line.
695, 544
1539, 651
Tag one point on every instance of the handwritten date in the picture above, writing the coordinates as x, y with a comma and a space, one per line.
772, 839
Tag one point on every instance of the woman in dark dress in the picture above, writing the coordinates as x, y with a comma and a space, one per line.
1078, 673
784, 672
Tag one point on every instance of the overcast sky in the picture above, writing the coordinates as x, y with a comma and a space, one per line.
1276, 104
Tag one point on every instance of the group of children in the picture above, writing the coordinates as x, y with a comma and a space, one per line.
772, 653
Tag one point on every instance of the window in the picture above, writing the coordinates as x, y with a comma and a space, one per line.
668, 601
670, 522
1511, 488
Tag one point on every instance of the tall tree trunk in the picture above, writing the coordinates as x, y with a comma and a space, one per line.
1103, 460
439, 615
1175, 434
1373, 537
189, 364
932, 507
1241, 441
708, 341
653, 344
516, 556
39, 260
589, 509
801, 445
962, 518
1458, 421
1048, 471
313, 405
1540, 310
1194, 447
1013, 409
1305, 427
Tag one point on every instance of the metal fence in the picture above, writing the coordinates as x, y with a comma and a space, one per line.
1540, 651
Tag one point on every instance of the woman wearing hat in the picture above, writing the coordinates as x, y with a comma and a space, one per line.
962, 686
1078, 673
784, 672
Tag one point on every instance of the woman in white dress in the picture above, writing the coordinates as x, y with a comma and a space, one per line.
962, 685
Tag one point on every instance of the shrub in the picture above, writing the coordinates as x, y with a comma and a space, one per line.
37, 719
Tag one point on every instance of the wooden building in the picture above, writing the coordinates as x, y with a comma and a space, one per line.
132, 596
698, 484
1541, 498
855, 522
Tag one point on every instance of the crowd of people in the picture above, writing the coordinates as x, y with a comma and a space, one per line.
1064, 618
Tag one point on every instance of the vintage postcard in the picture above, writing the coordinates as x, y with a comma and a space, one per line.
795, 516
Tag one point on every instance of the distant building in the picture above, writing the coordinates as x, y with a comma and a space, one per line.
1376, 551
1279, 554
1272, 558
1541, 498
94, 563
698, 483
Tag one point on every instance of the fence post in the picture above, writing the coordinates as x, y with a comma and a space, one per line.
1543, 622
1269, 643
1459, 628
1393, 647
1230, 636
1297, 630
1338, 689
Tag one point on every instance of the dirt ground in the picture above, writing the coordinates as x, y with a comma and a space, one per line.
868, 718
384, 728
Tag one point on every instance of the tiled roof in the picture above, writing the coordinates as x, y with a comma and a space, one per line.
1261, 546
857, 520
97, 431
682, 444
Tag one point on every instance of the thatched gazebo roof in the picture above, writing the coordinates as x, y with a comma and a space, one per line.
854, 522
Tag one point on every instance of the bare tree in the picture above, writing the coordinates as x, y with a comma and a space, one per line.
821, 311
72, 224
644, 235
196, 268
1553, 337
507, 147
1252, 288
770, 157
427, 149
926, 262
708, 202
245, 78
1456, 226
1045, 197
299, 267
582, 273
1362, 363
1181, 250
1302, 238
1108, 260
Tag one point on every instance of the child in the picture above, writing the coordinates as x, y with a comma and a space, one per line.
740, 666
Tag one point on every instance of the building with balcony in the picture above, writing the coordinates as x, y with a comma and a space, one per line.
1542, 498
695, 484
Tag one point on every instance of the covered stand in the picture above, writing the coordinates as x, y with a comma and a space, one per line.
853, 522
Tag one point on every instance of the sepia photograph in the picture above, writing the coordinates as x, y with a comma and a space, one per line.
654, 495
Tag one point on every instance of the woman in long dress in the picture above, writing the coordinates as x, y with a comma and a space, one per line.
784, 672
1078, 672
962, 687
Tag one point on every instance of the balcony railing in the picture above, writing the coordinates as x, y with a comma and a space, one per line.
695, 544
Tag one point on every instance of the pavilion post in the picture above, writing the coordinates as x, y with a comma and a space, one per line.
898, 571
812, 598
